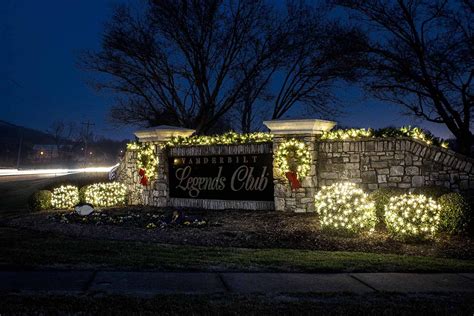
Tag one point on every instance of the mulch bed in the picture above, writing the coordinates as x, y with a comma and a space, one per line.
247, 229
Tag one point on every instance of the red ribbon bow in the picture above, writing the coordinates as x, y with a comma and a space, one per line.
143, 177
293, 178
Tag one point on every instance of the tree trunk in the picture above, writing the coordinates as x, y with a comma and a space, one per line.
465, 142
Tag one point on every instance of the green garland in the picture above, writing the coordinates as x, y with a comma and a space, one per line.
146, 158
229, 138
405, 131
293, 155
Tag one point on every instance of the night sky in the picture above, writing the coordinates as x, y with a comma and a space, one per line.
40, 83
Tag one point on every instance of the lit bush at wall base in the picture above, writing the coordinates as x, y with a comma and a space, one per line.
345, 209
105, 194
456, 213
66, 196
412, 216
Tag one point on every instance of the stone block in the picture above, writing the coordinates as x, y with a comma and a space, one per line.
396, 170
383, 171
329, 175
355, 158
464, 185
351, 166
417, 181
369, 177
373, 186
413, 170
382, 178
379, 164
404, 185
279, 204
370, 146
395, 179
354, 173
307, 182
306, 200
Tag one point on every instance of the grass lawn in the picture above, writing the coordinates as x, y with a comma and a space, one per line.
23, 248
340, 304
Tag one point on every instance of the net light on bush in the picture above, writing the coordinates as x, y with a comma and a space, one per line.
106, 194
412, 216
65, 196
297, 151
345, 208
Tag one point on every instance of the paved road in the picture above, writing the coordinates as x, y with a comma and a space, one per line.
152, 283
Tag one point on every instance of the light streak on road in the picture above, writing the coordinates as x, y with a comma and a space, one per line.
16, 172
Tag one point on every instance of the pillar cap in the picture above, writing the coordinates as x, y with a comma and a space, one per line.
162, 133
303, 126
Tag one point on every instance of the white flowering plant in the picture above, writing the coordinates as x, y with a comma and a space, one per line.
412, 217
345, 209
65, 196
293, 155
106, 194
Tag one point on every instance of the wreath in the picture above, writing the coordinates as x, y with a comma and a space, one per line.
147, 161
293, 159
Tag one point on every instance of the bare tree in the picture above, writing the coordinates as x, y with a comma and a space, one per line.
421, 56
175, 62
62, 133
189, 63
319, 53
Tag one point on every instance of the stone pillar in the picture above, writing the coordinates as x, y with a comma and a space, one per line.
157, 192
302, 199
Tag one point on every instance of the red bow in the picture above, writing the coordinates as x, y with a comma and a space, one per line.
143, 177
292, 177
144, 180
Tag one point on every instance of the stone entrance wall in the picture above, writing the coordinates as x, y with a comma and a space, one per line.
387, 162
373, 163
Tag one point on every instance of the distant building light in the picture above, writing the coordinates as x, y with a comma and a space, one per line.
90, 153
41, 153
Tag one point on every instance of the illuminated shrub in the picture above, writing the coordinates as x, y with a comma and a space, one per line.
105, 194
455, 213
345, 209
65, 196
381, 197
433, 192
412, 217
82, 194
40, 201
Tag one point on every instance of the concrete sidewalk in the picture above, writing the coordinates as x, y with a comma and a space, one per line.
152, 283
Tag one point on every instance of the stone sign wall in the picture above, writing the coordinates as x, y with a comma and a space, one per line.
387, 162
372, 163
